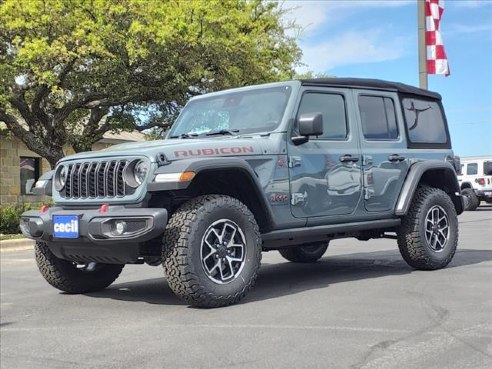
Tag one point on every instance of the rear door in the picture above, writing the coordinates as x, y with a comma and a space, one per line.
385, 157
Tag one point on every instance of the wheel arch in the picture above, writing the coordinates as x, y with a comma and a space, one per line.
224, 176
433, 173
466, 185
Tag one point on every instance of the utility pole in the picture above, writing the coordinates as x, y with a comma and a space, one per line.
422, 45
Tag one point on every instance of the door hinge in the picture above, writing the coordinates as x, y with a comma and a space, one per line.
298, 198
366, 160
368, 193
295, 161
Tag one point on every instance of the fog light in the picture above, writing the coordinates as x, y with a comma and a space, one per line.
24, 227
119, 227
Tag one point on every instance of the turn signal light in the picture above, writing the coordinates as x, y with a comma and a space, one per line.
186, 176
44, 208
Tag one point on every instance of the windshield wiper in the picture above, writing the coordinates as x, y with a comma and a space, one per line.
185, 135
231, 132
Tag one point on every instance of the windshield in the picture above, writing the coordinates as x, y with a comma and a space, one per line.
257, 110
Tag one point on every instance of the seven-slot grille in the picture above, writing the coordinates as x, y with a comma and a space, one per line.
96, 179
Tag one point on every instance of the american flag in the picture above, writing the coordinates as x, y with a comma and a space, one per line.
437, 62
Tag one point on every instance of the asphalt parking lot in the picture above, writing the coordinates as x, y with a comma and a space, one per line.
361, 306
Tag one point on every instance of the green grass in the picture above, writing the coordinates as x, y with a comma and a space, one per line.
4, 237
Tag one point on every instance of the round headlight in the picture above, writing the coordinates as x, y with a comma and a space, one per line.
140, 171
61, 178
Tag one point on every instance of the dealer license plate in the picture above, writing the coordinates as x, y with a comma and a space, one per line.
66, 226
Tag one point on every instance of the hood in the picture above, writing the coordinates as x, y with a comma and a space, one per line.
175, 149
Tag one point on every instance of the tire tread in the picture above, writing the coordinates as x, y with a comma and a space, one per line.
298, 255
411, 242
63, 275
181, 277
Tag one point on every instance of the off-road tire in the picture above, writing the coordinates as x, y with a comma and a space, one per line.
65, 276
181, 251
304, 254
412, 242
473, 202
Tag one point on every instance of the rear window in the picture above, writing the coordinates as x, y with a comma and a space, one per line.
425, 122
487, 168
472, 169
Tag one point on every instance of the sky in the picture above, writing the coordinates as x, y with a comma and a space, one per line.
378, 39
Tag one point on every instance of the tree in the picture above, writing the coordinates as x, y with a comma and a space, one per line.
72, 70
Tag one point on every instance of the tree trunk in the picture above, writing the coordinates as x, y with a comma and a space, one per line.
46, 147
82, 145
54, 155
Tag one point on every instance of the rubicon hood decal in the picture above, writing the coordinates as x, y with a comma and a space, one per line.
214, 151
177, 149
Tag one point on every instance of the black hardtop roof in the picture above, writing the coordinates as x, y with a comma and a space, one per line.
375, 84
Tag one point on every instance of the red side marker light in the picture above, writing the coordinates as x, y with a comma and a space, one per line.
44, 208
104, 208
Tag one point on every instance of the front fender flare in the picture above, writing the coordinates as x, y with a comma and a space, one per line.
209, 165
45, 184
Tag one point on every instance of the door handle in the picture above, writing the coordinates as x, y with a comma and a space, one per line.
348, 158
396, 157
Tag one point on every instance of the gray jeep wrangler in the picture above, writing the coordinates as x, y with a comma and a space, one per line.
284, 166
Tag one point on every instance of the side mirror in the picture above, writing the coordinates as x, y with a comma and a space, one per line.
310, 124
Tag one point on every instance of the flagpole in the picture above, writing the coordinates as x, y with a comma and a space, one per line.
422, 46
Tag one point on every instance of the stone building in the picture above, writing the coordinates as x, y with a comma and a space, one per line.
20, 167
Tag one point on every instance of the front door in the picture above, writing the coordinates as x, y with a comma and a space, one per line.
325, 172
385, 159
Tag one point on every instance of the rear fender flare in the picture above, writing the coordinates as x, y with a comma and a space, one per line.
414, 178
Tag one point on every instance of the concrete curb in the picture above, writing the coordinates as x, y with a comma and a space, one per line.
21, 243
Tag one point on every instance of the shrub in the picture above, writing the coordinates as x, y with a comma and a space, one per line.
9, 217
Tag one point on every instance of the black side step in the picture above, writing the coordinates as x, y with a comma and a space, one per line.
298, 236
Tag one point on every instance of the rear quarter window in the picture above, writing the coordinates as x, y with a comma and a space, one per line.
425, 122
487, 168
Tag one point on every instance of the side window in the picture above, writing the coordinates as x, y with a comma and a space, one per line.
332, 106
378, 118
29, 173
487, 168
425, 122
472, 169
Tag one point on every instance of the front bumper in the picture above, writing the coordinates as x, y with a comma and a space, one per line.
97, 239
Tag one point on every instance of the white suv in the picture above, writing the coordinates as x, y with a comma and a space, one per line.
475, 180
